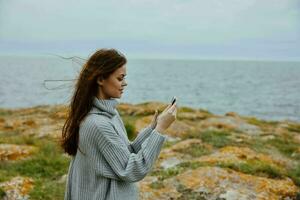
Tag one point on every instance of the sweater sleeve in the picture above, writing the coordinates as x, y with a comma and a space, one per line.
127, 166
136, 144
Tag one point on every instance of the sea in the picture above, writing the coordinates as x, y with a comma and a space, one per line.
268, 90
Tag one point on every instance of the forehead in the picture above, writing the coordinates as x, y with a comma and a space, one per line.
120, 71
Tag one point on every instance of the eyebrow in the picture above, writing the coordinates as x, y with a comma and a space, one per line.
123, 75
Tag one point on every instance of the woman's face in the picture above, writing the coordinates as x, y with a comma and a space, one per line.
113, 86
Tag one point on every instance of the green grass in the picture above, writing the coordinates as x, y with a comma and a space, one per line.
4, 112
255, 167
15, 137
163, 174
260, 122
2, 193
285, 145
130, 129
189, 194
216, 138
185, 109
157, 184
195, 150
294, 127
167, 173
45, 167
294, 174
168, 144
129, 122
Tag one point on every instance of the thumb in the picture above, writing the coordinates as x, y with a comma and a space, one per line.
155, 115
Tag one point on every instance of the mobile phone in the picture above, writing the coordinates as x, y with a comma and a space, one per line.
173, 100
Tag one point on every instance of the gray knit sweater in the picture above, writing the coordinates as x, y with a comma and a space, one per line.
108, 164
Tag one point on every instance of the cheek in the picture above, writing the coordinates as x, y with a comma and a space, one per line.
115, 85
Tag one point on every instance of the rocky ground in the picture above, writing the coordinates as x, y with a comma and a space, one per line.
206, 156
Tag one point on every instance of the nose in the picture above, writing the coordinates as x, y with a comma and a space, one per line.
124, 83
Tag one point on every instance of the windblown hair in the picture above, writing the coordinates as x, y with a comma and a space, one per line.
100, 65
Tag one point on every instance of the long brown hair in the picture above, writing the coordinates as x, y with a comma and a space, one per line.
100, 65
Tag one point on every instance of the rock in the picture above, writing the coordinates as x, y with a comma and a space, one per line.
172, 156
172, 139
30, 123
296, 154
15, 152
2, 120
170, 162
224, 182
232, 114
196, 115
184, 144
140, 109
232, 194
297, 138
17, 188
237, 155
231, 123
150, 189
63, 179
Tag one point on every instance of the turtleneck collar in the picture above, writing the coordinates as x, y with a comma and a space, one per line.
104, 106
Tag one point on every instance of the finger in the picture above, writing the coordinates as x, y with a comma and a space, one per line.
167, 108
172, 108
175, 113
155, 115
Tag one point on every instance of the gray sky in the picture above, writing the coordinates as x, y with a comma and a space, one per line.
247, 29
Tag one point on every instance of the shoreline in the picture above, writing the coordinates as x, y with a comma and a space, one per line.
278, 119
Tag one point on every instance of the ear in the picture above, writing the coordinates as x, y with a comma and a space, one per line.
100, 81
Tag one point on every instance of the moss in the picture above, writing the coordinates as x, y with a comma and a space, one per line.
157, 184
256, 167
191, 165
257, 122
167, 173
216, 138
195, 150
284, 145
174, 171
185, 109
294, 174
294, 128
15, 137
168, 144
189, 194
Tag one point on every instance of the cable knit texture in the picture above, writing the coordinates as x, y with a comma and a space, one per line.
108, 165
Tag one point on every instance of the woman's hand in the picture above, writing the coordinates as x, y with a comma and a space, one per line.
154, 119
166, 118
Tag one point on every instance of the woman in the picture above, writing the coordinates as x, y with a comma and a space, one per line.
105, 164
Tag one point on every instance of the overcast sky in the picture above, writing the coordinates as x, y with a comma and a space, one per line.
251, 29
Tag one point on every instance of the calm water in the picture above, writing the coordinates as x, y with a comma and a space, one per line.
267, 90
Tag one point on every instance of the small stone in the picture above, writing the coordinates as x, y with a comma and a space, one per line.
17, 188
170, 162
15, 152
